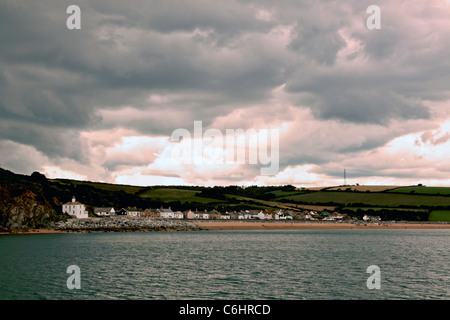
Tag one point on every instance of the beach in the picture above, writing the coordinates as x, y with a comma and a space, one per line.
265, 225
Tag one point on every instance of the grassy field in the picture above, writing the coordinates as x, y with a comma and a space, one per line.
363, 188
281, 193
102, 186
440, 215
173, 194
371, 199
384, 208
266, 203
371, 188
423, 190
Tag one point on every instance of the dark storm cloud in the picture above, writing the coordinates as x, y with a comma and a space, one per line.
397, 74
54, 142
229, 19
322, 51
206, 59
59, 78
364, 106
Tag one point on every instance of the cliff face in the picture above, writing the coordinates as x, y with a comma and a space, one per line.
23, 204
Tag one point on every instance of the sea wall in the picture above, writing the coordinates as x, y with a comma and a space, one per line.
125, 224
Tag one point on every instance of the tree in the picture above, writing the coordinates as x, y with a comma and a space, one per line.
38, 177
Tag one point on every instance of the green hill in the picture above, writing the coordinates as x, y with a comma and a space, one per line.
423, 190
399, 203
440, 215
383, 199
174, 194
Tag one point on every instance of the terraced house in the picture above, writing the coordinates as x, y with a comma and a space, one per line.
166, 213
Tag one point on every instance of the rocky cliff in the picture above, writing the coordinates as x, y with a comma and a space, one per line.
23, 203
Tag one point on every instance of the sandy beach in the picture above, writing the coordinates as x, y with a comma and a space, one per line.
260, 225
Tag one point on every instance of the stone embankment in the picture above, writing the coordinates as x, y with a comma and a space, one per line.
125, 224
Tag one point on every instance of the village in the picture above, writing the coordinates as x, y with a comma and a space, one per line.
78, 210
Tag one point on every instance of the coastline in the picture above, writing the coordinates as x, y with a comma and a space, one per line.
32, 231
80, 230
245, 225
259, 225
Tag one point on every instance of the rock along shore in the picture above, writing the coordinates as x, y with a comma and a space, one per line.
125, 224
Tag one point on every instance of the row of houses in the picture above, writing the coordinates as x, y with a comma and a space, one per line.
78, 210
189, 214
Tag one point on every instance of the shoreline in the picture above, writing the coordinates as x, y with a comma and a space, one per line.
246, 225
98, 230
32, 231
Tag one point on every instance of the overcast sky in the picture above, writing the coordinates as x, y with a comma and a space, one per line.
101, 103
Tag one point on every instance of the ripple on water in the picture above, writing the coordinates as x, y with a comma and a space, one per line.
298, 264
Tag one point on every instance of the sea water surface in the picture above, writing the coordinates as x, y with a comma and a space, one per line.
263, 264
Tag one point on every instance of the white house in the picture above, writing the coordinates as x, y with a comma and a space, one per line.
371, 218
75, 209
201, 215
166, 213
133, 212
178, 215
225, 216
105, 212
310, 217
280, 215
262, 216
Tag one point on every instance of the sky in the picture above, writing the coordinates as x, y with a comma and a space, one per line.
102, 103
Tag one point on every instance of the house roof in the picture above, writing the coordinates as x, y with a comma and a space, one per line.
165, 210
131, 210
73, 203
103, 209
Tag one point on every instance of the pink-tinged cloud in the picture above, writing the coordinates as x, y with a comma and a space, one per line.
101, 103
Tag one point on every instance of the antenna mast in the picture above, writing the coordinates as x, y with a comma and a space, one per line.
345, 177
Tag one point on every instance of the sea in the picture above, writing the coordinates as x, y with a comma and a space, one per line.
221, 265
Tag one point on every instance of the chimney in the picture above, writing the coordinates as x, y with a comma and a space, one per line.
73, 199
